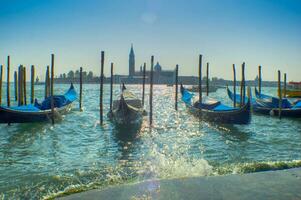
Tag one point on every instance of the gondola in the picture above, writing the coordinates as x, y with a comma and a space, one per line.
214, 111
128, 110
268, 105
38, 112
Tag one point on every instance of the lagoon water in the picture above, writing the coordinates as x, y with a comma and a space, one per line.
42, 161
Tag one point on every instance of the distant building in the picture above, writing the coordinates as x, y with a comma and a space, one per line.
160, 76
132, 62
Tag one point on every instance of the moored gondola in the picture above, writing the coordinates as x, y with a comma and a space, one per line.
38, 112
214, 111
127, 110
268, 105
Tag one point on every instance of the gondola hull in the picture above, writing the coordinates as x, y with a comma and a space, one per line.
258, 106
39, 112
214, 111
127, 112
240, 116
14, 116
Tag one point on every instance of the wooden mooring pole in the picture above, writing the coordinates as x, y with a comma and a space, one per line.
19, 85
1, 76
47, 83
176, 87
32, 75
24, 85
242, 86
16, 85
111, 88
259, 79
279, 93
101, 88
200, 80
234, 86
51, 88
8, 82
207, 80
284, 86
80, 88
151, 92
143, 84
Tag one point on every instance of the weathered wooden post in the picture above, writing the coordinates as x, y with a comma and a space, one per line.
19, 84
24, 85
51, 87
151, 92
20, 87
47, 82
8, 82
80, 88
111, 88
176, 88
207, 80
1, 76
143, 84
16, 85
279, 93
101, 87
259, 79
200, 80
242, 86
32, 84
234, 86
284, 86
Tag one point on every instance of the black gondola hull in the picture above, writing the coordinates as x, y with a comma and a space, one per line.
14, 116
240, 116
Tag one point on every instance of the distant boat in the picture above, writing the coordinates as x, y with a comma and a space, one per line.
214, 111
37, 82
195, 88
294, 90
127, 110
169, 85
38, 112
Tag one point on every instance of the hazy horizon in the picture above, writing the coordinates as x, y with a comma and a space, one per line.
258, 32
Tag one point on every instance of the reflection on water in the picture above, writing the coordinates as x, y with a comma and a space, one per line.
40, 160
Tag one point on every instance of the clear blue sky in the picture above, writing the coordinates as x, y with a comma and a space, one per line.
266, 32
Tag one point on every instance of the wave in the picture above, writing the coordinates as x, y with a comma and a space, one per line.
166, 168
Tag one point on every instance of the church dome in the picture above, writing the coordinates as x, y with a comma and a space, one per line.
158, 67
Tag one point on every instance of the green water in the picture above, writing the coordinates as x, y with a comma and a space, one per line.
42, 161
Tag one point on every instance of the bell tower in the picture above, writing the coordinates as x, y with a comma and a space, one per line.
132, 62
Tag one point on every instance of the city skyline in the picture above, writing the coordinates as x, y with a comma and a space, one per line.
226, 32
